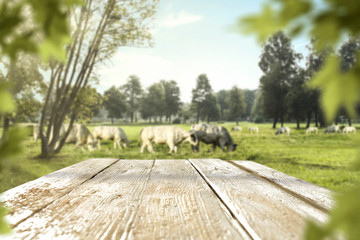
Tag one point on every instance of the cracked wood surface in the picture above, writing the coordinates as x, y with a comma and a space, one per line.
165, 199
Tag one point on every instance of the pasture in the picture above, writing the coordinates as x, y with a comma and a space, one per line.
323, 159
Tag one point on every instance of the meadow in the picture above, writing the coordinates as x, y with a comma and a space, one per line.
323, 159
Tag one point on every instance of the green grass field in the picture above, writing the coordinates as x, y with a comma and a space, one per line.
323, 159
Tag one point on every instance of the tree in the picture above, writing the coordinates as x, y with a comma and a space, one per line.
212, 110
185, 112
155, 100
278, 63
257, 108
99, 28
28, 108
348, 52
296, 97
88, 104
249, 96
237, 104
114, 103
171, 98
133, 92
222, 97
200, 94
25, 79
315, 62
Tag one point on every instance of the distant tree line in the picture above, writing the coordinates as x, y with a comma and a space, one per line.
283, 94
161, 102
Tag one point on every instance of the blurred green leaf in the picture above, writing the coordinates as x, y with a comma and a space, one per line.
325, 30
50, 21
338, 89
263, 24
12, 144
7, 103
293, 8
314, 231
4, 226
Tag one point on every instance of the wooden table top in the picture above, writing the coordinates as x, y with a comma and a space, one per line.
165, 199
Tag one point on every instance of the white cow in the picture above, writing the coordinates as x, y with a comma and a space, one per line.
111, 133
347, 130
282, 130
170, 135
332, 129
215, 135
312, 130
236, 128
253, 129
80, 135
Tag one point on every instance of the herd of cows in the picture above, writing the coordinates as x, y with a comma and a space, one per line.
171, 135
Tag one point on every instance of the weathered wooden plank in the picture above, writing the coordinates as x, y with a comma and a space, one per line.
178, 204
316, 195
30, 197
270, 211
103, 207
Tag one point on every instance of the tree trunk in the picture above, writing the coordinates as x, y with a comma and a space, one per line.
131, 117
197, 114
112, 121
321, 120
349, 121
308, 120
5, 127
274, 123
297, 124
316, 120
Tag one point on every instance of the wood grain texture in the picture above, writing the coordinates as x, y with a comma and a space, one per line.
103, 207
316, 195
270, 211
31, 197
178, 204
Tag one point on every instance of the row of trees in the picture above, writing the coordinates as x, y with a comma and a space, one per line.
284, 91
161, 101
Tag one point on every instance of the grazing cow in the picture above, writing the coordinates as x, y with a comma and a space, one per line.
332, 129
312, 130
170, 135
236, 128
215, 135
80, 135
282, 130
347, 130
111, 133
253, 129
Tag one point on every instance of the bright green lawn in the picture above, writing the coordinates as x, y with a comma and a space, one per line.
323, 159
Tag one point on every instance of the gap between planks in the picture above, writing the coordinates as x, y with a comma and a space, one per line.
227, 203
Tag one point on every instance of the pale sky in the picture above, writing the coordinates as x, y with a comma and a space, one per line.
193, 37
